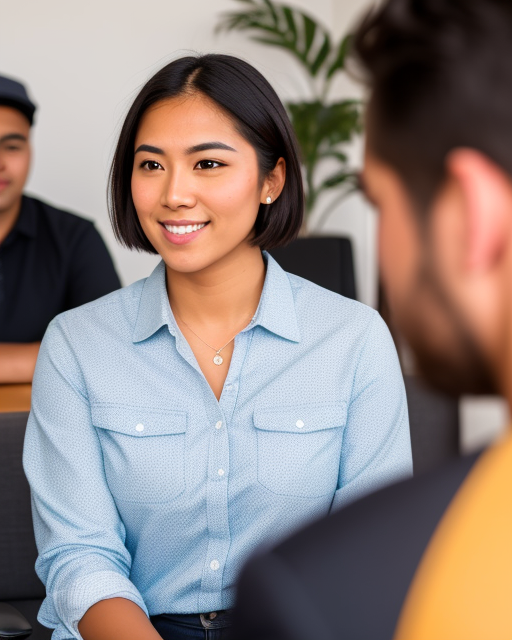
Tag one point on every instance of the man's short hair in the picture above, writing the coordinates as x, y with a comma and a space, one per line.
441, 78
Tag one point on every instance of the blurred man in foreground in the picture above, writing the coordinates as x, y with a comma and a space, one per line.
430, 558
50, 260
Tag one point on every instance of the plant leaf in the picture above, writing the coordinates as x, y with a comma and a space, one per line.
336, 180
272, 11
336, 155
309, 32
289, 28
325, 49
292, 27
339, 62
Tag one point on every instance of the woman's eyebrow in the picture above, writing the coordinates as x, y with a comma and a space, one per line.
149, 149
205, 146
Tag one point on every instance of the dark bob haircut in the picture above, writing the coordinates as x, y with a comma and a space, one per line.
257, 113
440, 74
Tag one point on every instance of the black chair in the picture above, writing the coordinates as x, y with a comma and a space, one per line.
19, 585
434, 424
325, 260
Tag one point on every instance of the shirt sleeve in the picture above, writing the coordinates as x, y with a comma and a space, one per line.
91, 270
79, 534
376, 442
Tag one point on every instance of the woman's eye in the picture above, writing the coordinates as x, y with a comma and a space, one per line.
208, 164
151, 165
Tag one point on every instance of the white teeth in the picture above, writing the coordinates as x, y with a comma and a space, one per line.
181, 230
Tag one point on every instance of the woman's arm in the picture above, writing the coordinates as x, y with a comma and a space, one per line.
79, 533
376, 441
116, 619
17, 361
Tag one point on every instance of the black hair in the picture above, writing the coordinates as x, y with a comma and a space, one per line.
440, 73
259, 116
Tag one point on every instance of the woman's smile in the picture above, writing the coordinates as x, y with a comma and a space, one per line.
182, 231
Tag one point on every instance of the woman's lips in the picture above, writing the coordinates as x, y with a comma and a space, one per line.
182, 231
4, 184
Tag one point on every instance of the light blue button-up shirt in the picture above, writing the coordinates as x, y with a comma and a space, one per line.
146, 487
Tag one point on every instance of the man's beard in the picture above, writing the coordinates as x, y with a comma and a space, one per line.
457, 367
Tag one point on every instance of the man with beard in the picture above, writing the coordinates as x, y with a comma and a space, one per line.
430, 558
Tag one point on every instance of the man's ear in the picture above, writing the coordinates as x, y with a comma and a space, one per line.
487, 198
274, 182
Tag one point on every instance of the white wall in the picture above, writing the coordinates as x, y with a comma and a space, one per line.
85, 61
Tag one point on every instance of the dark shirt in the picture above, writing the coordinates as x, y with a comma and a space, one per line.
50, 262
346, 577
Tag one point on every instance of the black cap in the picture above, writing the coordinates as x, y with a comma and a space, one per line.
13, 94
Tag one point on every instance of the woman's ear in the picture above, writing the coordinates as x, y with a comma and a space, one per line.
274, 183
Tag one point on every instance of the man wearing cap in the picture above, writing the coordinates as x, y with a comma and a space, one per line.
50, 260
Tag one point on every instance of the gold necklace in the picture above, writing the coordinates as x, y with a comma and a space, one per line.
217, 358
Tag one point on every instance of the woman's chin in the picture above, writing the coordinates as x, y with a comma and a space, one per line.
187, 262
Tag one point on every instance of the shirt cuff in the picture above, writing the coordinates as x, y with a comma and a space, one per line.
70, 605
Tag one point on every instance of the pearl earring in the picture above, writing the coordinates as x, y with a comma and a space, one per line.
269, 199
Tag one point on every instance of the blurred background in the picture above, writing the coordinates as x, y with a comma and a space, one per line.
83, 64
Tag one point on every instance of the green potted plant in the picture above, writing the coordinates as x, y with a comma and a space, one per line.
324, 127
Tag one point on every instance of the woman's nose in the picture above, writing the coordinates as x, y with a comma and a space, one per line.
178, 191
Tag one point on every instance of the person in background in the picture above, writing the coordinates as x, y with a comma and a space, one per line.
430, 558
50, 260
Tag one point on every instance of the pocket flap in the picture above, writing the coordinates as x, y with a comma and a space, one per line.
138, 422
301, 418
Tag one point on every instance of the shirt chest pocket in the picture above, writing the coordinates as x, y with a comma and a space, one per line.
143, 452
299, 448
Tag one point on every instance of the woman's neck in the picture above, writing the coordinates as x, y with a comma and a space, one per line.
225, 294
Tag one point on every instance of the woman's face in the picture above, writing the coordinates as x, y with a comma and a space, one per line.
195, 183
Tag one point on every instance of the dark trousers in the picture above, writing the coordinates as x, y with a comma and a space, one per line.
206, 626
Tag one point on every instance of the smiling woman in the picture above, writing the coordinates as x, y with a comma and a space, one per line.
216, 405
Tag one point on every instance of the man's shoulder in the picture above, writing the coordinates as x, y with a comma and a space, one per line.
57, 213
363, 558
59, 221
406, 506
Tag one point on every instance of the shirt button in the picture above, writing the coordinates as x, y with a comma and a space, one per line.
219, 424
139, 427
299, 424
214, 565
228, 387
221, 472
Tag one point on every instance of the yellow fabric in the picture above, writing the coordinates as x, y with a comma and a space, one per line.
462, 589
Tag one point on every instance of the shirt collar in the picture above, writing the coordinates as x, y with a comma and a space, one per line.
154, 308
276, 310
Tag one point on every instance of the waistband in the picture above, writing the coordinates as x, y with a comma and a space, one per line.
211, 620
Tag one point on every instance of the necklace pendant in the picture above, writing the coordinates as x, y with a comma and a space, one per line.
218, 359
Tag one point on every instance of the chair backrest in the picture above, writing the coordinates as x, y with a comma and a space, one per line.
325, 260
18, 552
434, 423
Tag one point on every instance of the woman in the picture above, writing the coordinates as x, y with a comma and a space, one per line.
181, 422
